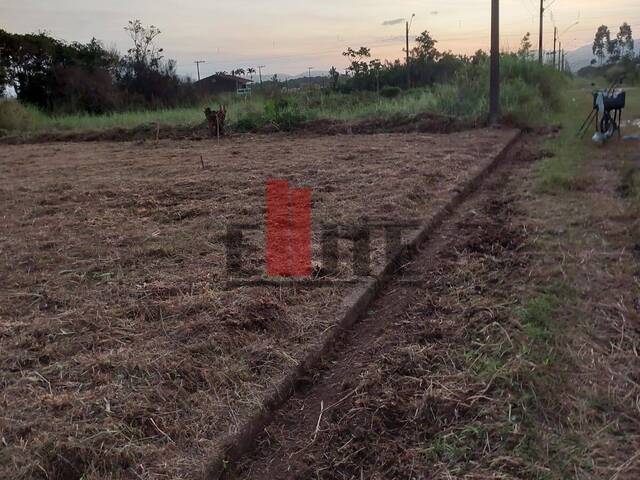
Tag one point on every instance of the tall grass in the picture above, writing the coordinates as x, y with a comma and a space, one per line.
530, 93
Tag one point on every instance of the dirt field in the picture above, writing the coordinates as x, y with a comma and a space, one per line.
517, 358
123, 353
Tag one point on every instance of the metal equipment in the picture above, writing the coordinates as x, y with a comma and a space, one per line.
606, 114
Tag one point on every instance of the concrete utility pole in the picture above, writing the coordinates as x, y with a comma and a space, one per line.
310, 75
260, 67
407, 51
555, 42
541, 31
494, 92
198, 62
560, 55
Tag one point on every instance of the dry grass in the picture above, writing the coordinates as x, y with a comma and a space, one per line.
123, 352
518, 358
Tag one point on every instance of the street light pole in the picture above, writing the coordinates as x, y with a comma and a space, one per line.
407, 51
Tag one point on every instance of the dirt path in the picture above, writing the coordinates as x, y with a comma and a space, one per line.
296, 443
515, 358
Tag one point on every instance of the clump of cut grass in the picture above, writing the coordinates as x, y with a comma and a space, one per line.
629, 187
16, 116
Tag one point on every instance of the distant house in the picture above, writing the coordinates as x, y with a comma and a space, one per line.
222, 83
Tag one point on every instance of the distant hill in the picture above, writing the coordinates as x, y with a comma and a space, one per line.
314, 73
581, 57
300, 81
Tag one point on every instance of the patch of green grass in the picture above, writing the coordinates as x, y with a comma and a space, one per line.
563, 165
537, 319
564, 169
457, 447
519, 365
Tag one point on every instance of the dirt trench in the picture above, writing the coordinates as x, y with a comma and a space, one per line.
353, 419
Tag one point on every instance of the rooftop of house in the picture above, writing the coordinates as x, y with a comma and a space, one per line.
224, 76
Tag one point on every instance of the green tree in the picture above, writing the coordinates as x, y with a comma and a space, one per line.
144, 50
613, 50
4, 79
601, 42
250, 72
525, 46
375, 66
358, 64
425, 49
48, 72
625, 41
479, 57
335, 77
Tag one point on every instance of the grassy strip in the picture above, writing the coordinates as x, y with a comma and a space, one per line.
530, 94
563, 167
520, 370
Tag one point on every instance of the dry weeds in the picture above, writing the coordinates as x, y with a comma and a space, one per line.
123, 354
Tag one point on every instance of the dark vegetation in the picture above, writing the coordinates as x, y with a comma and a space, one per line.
58, 76
61, 78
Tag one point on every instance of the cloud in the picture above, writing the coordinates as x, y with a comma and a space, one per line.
396, 21
435, 12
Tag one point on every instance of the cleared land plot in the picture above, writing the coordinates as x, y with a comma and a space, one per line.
122, 349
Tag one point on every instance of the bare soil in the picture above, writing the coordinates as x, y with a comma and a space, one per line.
123, 351
473, 372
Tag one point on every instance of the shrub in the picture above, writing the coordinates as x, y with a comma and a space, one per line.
390, 92
15, 116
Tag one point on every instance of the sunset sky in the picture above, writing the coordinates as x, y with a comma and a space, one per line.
288, 35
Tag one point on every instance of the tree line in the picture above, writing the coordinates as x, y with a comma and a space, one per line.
613, 49
58, 76
426, 66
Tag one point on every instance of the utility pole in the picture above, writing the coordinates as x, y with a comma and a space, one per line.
494, 92
260, 67
198, 62
559, 55
407, 52
310, 75
541, 31
555, 41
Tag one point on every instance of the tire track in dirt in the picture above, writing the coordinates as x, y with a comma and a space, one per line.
288, 446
